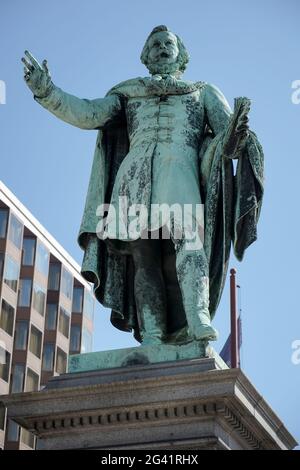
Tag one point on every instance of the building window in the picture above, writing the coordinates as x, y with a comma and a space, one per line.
48, 357
13, 431
75, 338
51, 316
11, 273
3, 222
42, 259
18, 376
1, 265
66, 283
64, 322
77, 299
32, 381
27, 438
7, 317
87, 341
4, 364
15, 231
88, 309
61, 361
21, 335
25, 287
28, 251
2, 416
35, 345
39, 297
54, 276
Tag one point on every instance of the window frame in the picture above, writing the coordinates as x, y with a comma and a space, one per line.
39, 339
11, 330
10, 236
34, 250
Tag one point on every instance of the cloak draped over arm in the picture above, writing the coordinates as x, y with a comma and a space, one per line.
232, 202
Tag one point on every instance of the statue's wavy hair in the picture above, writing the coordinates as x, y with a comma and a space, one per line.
183, 56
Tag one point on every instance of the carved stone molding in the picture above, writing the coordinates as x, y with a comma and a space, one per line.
183, 405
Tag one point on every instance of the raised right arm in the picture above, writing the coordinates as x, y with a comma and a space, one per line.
86, 114
83, 113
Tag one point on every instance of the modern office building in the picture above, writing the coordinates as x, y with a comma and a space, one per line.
46, 310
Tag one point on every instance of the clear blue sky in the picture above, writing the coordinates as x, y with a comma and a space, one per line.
246, 49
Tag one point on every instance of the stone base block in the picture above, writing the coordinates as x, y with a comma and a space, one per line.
138, 355
187, 404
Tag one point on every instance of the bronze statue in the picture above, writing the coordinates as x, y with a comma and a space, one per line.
162, 141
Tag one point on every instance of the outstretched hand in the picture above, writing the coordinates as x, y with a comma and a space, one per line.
37, 76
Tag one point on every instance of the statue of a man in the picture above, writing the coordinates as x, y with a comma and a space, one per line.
162, 140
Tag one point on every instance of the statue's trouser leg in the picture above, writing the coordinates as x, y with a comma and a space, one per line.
149, 290
192, 271
176, 319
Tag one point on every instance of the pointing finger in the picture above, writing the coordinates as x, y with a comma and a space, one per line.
45, 66
34, 62
27, 64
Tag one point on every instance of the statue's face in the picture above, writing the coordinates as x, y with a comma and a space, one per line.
163, 49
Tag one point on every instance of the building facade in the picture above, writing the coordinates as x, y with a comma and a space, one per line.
46, 310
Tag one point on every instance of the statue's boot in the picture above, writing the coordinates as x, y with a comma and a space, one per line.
194, 287
196, 304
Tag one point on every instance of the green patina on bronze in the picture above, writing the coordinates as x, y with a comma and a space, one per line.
162, 139
151, 354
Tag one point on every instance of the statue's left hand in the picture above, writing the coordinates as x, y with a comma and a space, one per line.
37, 77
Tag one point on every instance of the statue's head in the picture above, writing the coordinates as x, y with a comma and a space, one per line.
164, 52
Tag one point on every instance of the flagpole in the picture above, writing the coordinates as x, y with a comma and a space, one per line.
233, 319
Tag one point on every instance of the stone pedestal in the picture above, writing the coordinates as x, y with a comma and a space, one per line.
185, 404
